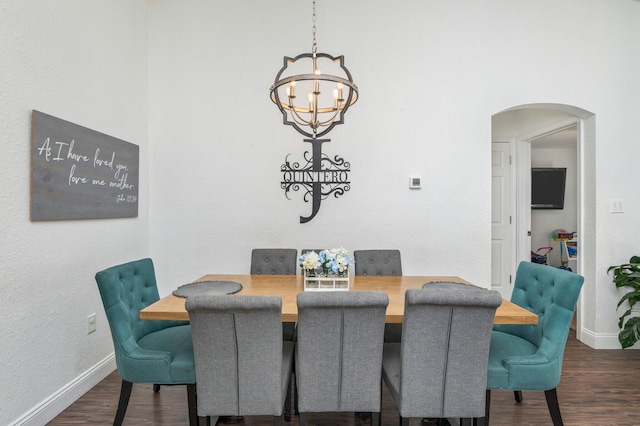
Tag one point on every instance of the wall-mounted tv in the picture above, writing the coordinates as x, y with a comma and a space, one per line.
547, 187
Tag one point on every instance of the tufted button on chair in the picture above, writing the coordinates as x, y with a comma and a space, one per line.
529, 357
378, 262
274, 261
158, 352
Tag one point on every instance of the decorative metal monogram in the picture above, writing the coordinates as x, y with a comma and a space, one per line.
317, 182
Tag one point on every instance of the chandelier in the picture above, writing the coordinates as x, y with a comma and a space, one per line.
326, 92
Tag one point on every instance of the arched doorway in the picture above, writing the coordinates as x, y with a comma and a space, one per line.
514, 131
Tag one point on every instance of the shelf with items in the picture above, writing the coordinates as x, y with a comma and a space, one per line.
568, 248
568, 251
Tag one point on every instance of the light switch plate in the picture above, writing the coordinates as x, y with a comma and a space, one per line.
616, 205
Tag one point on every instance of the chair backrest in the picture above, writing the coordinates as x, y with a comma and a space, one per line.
378, 262
125, 289
274, 261
237, 344
339, 350
304, 251
551, 293
445, 349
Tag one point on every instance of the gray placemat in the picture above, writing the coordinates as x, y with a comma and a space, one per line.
209, 288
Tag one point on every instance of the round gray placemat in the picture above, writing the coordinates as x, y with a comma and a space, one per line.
209, 288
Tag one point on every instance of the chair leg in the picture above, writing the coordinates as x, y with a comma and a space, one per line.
156, 388
287, 404
123, 402
204, 421
295, 394
478, 421
404, 421
554, 407
375, 418
379, 414
465, 421
192, 402
518, 396
487, 407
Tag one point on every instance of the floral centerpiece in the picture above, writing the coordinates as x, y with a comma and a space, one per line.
327, 269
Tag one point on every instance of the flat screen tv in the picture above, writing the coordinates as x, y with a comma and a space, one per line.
547, 187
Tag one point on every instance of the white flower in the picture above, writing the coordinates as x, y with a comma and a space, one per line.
309, 261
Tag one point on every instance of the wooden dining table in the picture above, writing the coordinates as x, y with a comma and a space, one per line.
172, 307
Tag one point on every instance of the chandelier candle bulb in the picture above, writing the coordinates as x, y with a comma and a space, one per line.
291, 90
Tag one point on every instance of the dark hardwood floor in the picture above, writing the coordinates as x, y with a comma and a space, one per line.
598, 387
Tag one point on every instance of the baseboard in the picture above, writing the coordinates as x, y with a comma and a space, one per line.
600, 340
63, 398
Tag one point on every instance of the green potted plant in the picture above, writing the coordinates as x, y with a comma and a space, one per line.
628, 275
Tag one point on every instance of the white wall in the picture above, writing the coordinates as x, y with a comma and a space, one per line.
431, 75
85, 62
213, 55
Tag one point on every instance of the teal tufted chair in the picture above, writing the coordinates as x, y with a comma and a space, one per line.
529, 357
158, 352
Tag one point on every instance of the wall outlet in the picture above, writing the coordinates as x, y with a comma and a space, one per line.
91, 323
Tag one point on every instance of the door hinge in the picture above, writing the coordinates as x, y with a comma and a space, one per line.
510, 222
509, 278
528, 233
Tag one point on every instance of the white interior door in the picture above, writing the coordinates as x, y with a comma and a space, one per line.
502, 220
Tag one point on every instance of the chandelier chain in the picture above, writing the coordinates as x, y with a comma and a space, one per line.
314, 46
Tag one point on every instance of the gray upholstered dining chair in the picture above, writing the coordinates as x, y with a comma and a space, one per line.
156, 352
383, 263
276, 261
339, 352
243, 367
378, 262
529, 357
440, 368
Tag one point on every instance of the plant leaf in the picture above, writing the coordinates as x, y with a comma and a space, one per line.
630, 334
